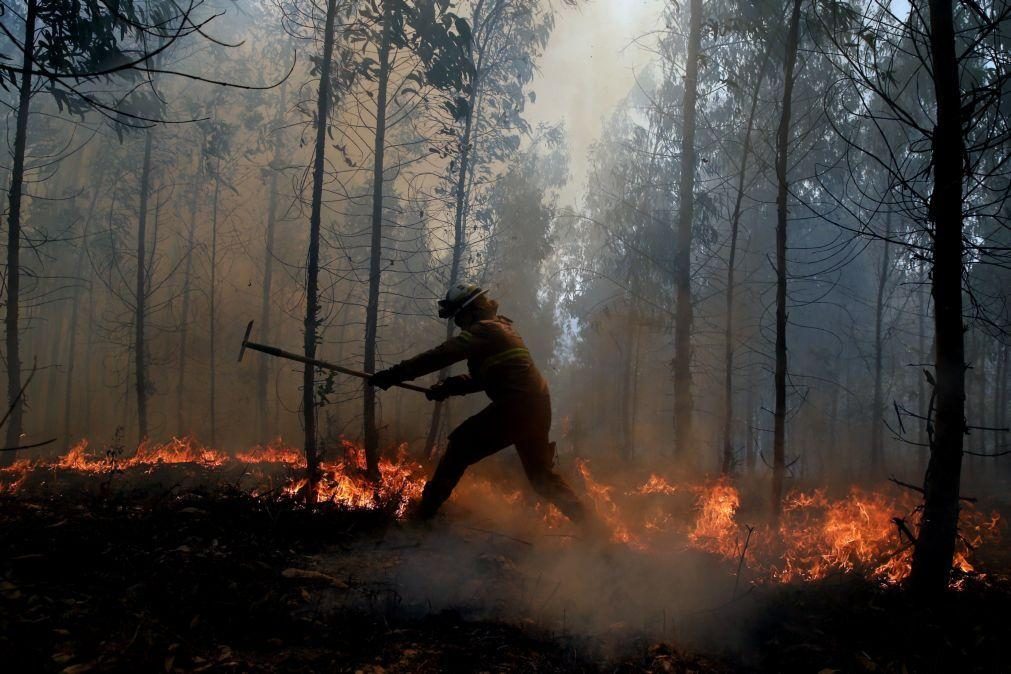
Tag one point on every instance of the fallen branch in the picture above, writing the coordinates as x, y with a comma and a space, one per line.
18, 448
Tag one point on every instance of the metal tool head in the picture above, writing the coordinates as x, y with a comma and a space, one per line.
245, 339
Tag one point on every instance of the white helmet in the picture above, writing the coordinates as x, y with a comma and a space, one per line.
458, 297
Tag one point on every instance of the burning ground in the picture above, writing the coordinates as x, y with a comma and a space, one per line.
182, 557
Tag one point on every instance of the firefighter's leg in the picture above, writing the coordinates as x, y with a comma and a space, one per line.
476, 438
538, 462
538, 456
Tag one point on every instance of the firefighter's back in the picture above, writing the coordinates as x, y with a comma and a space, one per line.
501, 361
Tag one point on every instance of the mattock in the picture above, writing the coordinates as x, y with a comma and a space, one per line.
288, 355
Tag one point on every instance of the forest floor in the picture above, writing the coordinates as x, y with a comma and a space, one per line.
167, 579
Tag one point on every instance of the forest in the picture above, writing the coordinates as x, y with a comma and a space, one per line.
759, 252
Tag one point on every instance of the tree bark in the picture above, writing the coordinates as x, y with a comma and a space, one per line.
935, 545
311, 324
213, 305
782, 194
924, 357
877, 463
375, 258
728, 328
683, 403
15, 420
181, 426
140, 298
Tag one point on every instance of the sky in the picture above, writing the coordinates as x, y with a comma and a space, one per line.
588, 66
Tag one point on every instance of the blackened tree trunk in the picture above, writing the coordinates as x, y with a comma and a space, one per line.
935, 545
375, 257
311, 324
877, 463
213, 305
184, 318
683, 403
16, 418
924, 357
728, 328
782, 195
140, 298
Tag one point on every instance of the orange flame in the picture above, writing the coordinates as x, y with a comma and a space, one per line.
815, 536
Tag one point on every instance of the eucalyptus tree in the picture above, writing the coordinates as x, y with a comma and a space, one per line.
64, 51
683, 400
507, 38
418, 47
941, 76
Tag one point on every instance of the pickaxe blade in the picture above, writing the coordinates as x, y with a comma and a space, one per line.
245, 340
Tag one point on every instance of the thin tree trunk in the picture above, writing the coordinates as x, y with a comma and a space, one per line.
312, 258
728, 330
15, 420
782, 194
923, 438
683, 404
213, 305
375, 256
140, 298
877, 428
184, 325
627, 384
263, 376
459, 245
75, 305
935, 545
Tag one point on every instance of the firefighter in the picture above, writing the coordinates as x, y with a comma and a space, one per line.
520, 410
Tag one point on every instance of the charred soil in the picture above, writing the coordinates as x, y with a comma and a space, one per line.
169, 579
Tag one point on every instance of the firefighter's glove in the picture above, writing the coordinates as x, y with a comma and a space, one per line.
384, 379
438, 392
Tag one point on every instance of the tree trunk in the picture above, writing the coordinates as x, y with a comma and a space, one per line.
935, 544
14, 421
75, 302
181, 426
311, 324
140, 298
213, 305
877, 465
628, 384
924, 357
375, 256
728, 330
782, 194
459, 245
263, 375
683, 404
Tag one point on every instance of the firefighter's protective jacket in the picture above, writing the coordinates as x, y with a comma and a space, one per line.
497, 360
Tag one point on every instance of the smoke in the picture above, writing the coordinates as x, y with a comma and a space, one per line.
588, 67
485, 561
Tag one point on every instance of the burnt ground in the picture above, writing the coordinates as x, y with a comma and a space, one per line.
164, 579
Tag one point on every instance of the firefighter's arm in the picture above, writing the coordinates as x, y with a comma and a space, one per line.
459, 385
451, 351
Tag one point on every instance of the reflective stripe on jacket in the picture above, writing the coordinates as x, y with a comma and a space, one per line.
497, 360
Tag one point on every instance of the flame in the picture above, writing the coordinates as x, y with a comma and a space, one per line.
606, 508
275, 452
817, 534
656, 485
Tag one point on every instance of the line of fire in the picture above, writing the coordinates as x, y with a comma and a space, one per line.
505, 335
